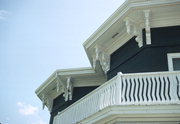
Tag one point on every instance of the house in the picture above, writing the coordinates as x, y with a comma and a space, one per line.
135, 73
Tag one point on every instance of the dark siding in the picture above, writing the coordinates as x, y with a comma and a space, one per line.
59, 103
132, 59
149, 58
165, 35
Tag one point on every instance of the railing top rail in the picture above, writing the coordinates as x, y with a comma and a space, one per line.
114, 78
95, 90
151, 73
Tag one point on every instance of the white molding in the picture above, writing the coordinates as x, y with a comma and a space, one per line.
147, 26
108, 95
47, 101
64, 81
101, 56
114, 114
99, 50
147, 14
134, 28
170, 57
121, 11
117, 44
69, 89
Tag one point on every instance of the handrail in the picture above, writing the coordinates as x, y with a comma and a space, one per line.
92, 92
125, 89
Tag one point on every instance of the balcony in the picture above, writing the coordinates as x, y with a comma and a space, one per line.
138, 89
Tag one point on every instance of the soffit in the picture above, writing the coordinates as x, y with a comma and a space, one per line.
162, 13
80, 77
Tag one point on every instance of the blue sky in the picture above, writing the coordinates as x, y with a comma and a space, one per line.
36, 38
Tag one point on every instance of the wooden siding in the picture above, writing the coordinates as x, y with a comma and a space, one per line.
149, 58
60, 104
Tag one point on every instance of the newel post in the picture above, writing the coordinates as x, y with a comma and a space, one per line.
173, 88
119, 88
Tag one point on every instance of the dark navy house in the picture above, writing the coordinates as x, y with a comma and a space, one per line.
135, 73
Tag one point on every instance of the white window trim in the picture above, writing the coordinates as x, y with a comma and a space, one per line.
170, 57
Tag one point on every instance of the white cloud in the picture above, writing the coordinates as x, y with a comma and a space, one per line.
20, 104
27, 109
3, 14
39, 122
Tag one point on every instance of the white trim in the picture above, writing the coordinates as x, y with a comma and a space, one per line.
59, 82
144, 13
113, 114
170, 57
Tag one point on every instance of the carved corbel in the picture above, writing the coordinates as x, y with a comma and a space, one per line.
70, 88
46, 100
102, 57
147, 26
135, 29
58, 86
59, 83
49, 103
105, 62
96, 56
43, 101
67, 87
68, 93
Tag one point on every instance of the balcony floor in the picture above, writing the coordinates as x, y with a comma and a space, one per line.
149, 96
147, 114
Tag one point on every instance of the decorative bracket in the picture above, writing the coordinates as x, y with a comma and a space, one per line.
102, 57
70, 88
135, 29
67, 87
46, 100
147, 26
68, 92
43, 101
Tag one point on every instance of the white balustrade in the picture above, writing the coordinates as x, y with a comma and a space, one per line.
125, 89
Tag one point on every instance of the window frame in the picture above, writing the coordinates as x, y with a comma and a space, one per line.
170, 57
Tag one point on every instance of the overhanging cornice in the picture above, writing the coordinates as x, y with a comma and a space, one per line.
63, 81
114, 33
142, 14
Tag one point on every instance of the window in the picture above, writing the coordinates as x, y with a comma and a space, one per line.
173, 61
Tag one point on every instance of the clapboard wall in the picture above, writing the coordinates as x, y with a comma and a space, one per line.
150, 58
60, 104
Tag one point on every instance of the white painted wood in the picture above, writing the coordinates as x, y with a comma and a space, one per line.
147, 26
138, 10
128, 91
147, 13
147, 123
145, 89
178, 85
134, 28
132, 90
153, 89
166, 88
162, 88
103, 58
123, 90
158, 89
136, 90
119, 90
111, 93
149, 89
141, 90
173, 87
170, 57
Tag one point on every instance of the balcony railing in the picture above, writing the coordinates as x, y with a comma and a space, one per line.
125, 89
